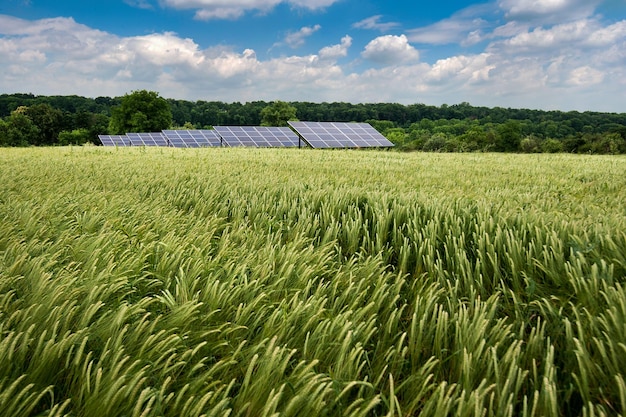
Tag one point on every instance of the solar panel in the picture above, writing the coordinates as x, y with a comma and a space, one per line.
258, 136
340, 135
114, 140
192, 138
147, 139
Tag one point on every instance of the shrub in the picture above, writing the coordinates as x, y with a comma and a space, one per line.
74, 137
552, 146
436, 143
530, 144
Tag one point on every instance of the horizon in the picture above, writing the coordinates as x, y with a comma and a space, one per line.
325, 102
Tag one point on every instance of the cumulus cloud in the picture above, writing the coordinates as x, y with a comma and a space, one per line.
390, 50
467, 69
585, 76
550, 38
335, 52
572, 65
49, 38
74, 59
581, 34
374, 23
604, 36
233, 9
297, 39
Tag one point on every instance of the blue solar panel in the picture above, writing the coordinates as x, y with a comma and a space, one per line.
258, 136
192, 138
147, 139
114, 140
340, 135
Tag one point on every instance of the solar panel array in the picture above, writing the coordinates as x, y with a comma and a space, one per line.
340, 135
313, 134
192, 138
258, 136
114, 140
147, 139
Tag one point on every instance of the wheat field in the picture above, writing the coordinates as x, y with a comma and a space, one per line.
265, 282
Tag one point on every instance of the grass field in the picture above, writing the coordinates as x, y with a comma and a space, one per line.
245, 282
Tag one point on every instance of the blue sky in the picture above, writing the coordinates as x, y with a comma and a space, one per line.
539, 54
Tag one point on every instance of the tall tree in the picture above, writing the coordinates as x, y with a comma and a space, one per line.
140, 111
19, 130
509, 136
278, 114
48, 120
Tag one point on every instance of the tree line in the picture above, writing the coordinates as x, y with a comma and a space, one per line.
27, 119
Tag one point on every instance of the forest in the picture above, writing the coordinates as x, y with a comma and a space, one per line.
31, 120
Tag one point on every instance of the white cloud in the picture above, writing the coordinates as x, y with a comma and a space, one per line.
556, 36
162, 49
551, 11
140, 4
581, 34
603, 36
223, 13
580, 60
233, 9
335, 52
508, 30
50, 38
296, 39
574, 65
10, 25
462, 27
375, 24
446, 31
461, 68
585, 76
313, 4
390, 50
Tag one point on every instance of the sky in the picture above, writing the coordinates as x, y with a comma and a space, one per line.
536, 54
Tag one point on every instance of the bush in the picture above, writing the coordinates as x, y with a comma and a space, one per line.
436, 143
530, 144
611, 144
454, 145
552, 146
74, 137
397, 136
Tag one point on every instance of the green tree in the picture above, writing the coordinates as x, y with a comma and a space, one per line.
417, 139
74, 137
474, 138
611, 143
396, 135
19, 130
509, 136
140, 111
278, 114
97, 124
436, 143
48, 120
552, 145
4, 133
531, 144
